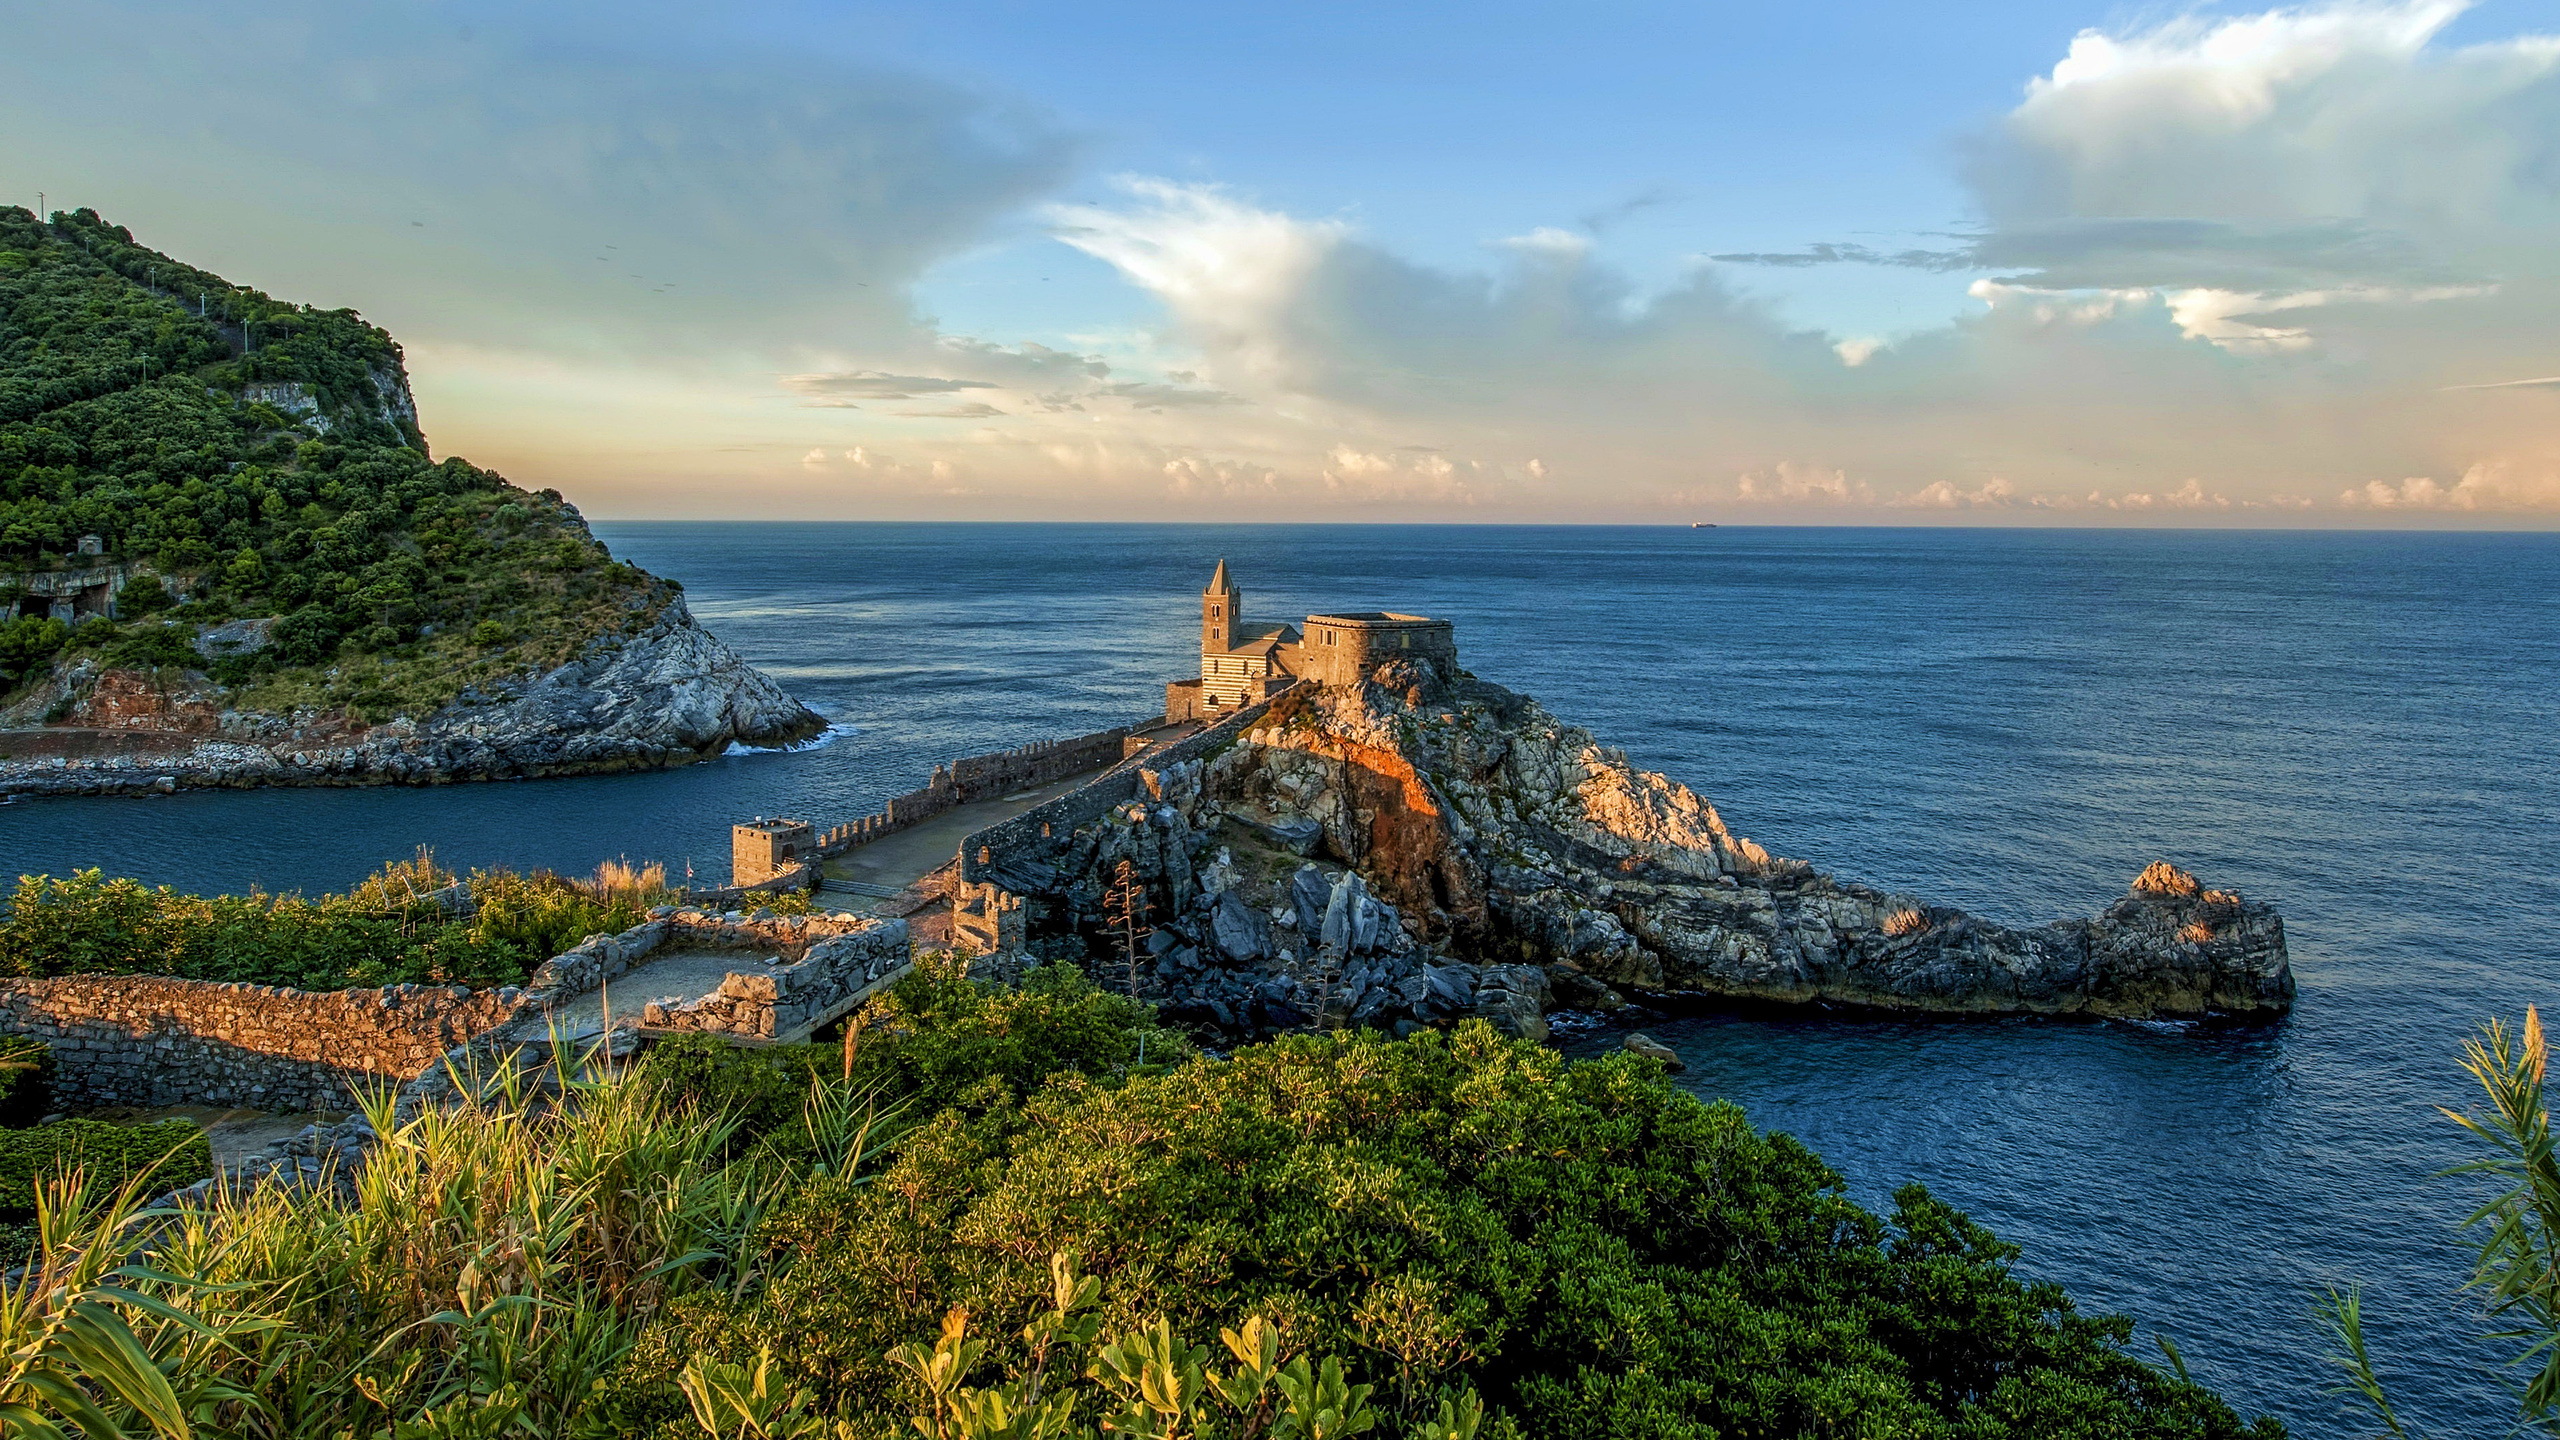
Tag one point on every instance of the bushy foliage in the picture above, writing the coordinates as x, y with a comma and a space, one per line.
1444, 1238
167, 1154
26, 1081
393, 929
134, 405
934, 1040
1605, 1255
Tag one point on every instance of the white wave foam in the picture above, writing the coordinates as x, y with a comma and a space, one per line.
822, 739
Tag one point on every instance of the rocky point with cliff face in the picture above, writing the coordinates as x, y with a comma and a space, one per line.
231, 560
1415, 850
665, 693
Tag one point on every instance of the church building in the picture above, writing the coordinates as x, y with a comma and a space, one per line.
1242, 663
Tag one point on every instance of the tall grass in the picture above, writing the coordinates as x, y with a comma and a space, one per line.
498, 1260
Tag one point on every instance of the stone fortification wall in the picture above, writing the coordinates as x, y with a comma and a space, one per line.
151, 1040
145, 1040
831, 976
977, 777
985, 852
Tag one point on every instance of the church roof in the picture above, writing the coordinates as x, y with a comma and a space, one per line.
1219, 581
1262, 639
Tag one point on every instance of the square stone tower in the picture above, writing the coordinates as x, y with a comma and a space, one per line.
762, 849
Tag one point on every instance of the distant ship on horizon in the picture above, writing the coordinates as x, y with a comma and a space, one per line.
1702, 524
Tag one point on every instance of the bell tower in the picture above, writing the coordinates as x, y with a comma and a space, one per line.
1218, 606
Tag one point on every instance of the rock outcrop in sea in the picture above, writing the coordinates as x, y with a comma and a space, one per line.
664, 694
1418, 849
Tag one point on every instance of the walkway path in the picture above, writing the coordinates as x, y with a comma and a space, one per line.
893, 862
886, 867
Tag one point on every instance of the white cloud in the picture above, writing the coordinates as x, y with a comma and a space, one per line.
523, 179
1789, 482
2500, 485
1218, 262
1347, 461
1991, 494
1547, 242
814, 459
1857, 350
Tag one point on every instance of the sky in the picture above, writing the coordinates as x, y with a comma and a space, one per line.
1854, 263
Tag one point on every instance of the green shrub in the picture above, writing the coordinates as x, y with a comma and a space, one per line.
153, 646
937, 1036
935, 1039
763, 1088
1591, 1250
381, 933
28, 645
26, 1081
171, 1152
1604, 1255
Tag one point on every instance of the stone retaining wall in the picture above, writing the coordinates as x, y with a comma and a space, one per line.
151, 1040
147, 1040
787, 1001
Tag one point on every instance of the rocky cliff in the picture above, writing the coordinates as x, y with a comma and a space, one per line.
1414, 850
230, 560
661, 695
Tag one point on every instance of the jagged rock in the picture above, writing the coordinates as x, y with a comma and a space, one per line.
1299, 835
1243, 935
1645, 1045
665, 695
1513, 836
1308, 895
1503, 865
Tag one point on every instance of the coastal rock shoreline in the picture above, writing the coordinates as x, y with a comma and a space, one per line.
1416, 850
668, 694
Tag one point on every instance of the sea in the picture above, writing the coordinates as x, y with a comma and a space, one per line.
2357, 727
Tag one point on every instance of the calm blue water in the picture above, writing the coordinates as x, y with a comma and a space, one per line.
2354, 726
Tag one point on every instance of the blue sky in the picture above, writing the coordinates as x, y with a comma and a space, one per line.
1986, 264
1670, 132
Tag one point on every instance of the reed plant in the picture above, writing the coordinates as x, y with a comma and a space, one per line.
495, 1263
2515, 1234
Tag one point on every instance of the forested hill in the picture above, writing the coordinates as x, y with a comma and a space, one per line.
238, 457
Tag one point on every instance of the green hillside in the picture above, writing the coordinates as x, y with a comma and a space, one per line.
239, 456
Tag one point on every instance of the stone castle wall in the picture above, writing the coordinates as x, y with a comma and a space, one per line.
1344, 649
984, 854
962, 782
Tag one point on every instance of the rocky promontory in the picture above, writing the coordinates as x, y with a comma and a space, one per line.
1420, 848
665, 694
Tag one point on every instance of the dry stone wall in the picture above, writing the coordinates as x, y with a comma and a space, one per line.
151, 1040
783, 1001
145, 1040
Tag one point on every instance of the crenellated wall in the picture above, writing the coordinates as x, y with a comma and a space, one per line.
962, 782
983, 854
